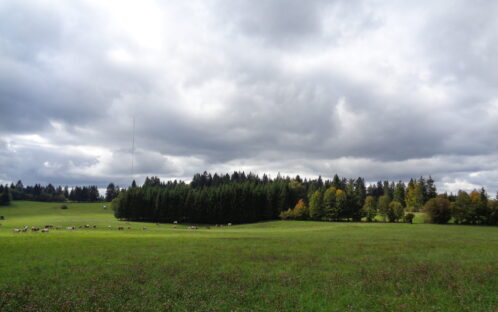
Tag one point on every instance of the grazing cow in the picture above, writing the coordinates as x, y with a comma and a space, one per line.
44, 230
87, 226
175, 222
35, 229
120, 228
58, 227
17, 230
49, 226
2, 218
193, 227
229, 224
70, 227
94, 226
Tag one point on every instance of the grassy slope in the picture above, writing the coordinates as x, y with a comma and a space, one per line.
272, 266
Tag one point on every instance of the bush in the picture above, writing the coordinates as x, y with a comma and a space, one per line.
64, 207
438, 210
492, 217
394, 211
408, 218
300, 212
370, 208
383, 206
284, 215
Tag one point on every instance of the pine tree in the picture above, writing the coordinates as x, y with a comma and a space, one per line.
283, 201
420, 193
5, 196
336, 182
399, 193
421, 188
352, 201
360, 193
111, 192
19, 186
431, 188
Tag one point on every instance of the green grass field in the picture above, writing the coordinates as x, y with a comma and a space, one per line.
269, 266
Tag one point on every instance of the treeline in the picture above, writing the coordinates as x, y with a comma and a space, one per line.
247, 198
240, 198
50, 193
5, 195
397, 204
231, 202
349, 200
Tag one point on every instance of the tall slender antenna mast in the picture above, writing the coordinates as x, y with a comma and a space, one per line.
133, 148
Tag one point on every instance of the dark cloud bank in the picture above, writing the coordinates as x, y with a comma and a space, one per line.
366, 88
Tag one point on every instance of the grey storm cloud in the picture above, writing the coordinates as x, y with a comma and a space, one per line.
360, 88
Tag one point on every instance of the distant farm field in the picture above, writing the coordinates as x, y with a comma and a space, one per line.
269, 266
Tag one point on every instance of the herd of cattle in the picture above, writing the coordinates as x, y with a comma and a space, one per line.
48, 227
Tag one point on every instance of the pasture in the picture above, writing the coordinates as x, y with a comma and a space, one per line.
268, 266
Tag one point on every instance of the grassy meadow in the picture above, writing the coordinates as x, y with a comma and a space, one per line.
268, 266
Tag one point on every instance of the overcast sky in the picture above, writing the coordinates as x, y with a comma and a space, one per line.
379, 89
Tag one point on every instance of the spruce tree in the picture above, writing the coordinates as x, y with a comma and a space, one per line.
110, 192
336, 182
5, 196
399, 193
431, 188
360, 193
